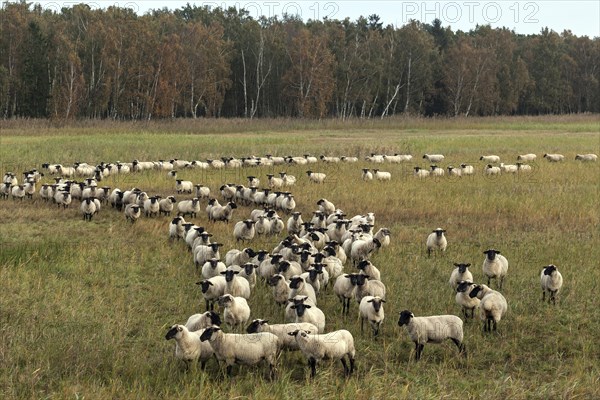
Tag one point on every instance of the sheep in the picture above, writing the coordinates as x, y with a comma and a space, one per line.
244, 230
276, 225
299, 287
463, 289
288, 203
188, 207
88, 209
334, 345
212, 267
141, 199
274, 183
490, 170
586, 157
361, 249
172, 174
236, 311
305, 312
330, 159
436, 241
495, 266
253, 181
268, 267
236, 286
222, 213
5, 190
527, 157
312, 277
281, 288
523, 167
289, 269
348, 159
366, 175
248, 272
420, 173
132, 212
381, 175
436, 171
366, 287
492, 308
460, 273
367, 268
192, 232
212, 289
467, 169
228, 191
316, 177
326, 207
310, 159
29, 188
397, 158
18, 192
202, 321
203, 253
151, 206
182, 186
246, 349
239, 257
64, 199
433, 329
383, 235
202, 192
375, 158
371, 309
434, 158
188, 346
509, 168
452, 171
288, 180
286, 341
490, 159
552, 281
554, 157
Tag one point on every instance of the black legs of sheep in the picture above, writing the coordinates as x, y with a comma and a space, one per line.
418, 351
312, 362
487, 325
461, 348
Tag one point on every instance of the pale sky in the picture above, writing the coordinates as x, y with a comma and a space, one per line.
582, 17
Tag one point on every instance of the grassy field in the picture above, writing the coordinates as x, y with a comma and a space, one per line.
85, 306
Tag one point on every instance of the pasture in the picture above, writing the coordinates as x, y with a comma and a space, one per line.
84, 306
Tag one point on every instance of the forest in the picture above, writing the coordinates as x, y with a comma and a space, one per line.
221, 63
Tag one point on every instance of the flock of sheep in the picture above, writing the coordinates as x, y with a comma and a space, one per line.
311, 261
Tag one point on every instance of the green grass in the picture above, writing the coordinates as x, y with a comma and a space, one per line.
85, 306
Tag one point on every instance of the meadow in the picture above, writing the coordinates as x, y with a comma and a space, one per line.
84, 306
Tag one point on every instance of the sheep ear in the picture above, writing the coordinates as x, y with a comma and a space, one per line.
307, 306
223, 272
382, 300
293, 333
308, 332
265, 321
468, 264
497, 251
456, 264
370, 301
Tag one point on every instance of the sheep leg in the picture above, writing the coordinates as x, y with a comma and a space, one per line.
362, 321
419, 350
461, 347
495, 325
351, 363
553, 298
346, 370
543, 295
313, 367
500, 283
488, 281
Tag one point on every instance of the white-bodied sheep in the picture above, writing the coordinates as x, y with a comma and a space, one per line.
434, 158
288, 180
306, 312
490, 159
366, 175
239, 257
467, 169
202, 321
334, 345
367, 268
212, 289
460, 273
433, 329
330, 159
188, 207
381, 175
188, 346
18, 192
526, 157
299, 287
132, 212
202, 192
326, 207
509, 168
248, 272
468, 303
436, 241
151, 206
523, 167
375, 158
176, 229
222, 213
203, 253
490, 170
495, 266
371, 309
454, 171
245, 349
274, 183
586, 157
552, 281
316, 177
492, 308
212, 267
366, 287
244, 230
436, 171
234, 285
554, 157
88, 209
362, 248
281, 288
286, 341
236, 311
421, 173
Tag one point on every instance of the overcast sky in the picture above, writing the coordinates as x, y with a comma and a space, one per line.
582, 17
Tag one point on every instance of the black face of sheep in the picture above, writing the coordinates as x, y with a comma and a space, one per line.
215, 246
313, 274
274, 280
173, 331
214, 318
229, 274
204, 285
360, 279
253, 327
405, 317
225, 300
439, 232
475, 291
276, 258
462, 268
300, 308
295, 282
249, 251
491, 254
462, 286
249, 268
549, 269
208, 332
284, 266
376, 304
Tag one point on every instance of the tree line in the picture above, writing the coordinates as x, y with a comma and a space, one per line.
201, 62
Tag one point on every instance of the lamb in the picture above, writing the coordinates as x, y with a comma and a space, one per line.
88, 209
281, 288
239, 257
460, 273
202, 321
366, 287
434, 158
463, 290
222, 213
436, 241
552, 281
361, 249
434, 329
188, 207
286, 341
495, 266
490, 159
371, 309
316, 177
212, 267
236, 286
236, 311
132, 212
467, 169
202, 192
244, 230
366, 175
554, 157
492, 307
420, 173
151, 206
381, 175
367, 268
586, 157
246, 349
527, 157
188, 346
335, 345
299, 287
212, 289
309, 313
